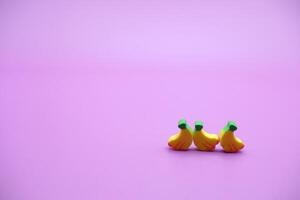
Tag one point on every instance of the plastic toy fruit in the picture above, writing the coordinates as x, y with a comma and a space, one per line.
203, 140
228, 140
183, 139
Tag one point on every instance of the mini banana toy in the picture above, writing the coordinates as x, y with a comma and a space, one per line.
204, 141
183, 139
228, 140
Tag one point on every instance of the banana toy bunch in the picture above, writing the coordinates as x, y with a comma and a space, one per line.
183, 139
205, 141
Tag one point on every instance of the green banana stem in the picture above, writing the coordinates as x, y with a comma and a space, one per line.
198, 125
182, 124
231, 126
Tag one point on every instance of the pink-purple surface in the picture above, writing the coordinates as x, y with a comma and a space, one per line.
91, 91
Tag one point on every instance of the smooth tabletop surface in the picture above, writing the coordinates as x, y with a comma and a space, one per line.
90, 92
102, 134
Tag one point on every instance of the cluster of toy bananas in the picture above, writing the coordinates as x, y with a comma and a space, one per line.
205, 141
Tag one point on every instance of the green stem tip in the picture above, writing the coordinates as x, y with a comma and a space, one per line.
198, 125
182, 124
231, 126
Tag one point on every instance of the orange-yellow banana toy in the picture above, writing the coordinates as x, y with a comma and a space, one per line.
183, 139
228, 140
204, 141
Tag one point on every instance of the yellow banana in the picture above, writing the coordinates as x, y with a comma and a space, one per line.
183, 139
228, 140
203, 140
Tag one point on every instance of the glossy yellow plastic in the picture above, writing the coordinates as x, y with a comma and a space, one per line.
183, 139
204, 141
228, 140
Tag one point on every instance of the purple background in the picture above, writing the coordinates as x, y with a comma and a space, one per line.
90, 91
